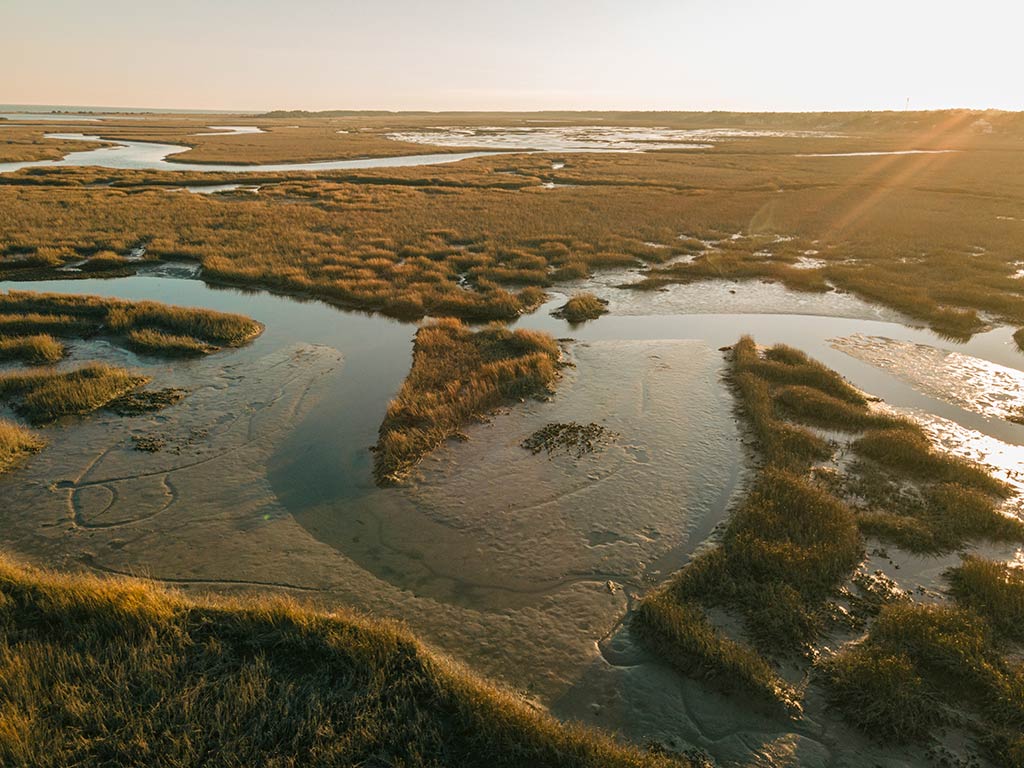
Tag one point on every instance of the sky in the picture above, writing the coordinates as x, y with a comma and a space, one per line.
786, 55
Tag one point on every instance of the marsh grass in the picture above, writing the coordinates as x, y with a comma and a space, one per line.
38, 349
908, 451
927, 235
680, 633
993, 589
147, 326
47, 396
796, 537
122, 672
918, 666
158, 342
582, 307
16, 444
458, 375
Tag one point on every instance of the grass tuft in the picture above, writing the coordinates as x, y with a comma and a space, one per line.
38, 349
16, 444
993, 589
46, 396
582, 307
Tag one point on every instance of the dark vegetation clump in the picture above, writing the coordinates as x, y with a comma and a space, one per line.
459, 375
146, 401
570, 438
148, 443
122, 672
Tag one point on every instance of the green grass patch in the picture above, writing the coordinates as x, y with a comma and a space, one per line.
38, 349
458, 375
46, 396
16, 444
122, 672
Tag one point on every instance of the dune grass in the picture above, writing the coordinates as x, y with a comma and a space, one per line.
582, 307
48, 395
16, 444
147, 326
458, 375
916, 661
122, 672
37, 349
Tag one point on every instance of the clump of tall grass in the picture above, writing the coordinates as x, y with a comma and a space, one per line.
915, 659
38, 349
118, 671
907, 450
158, 342
46, 396
993, 589
458, 375
17, 443
582, 307
1018, 337
680, 633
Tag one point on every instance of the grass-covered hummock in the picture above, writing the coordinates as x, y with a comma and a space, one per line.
993, 589
917, 665
37, 349
459, 375
146, 326
48, 395
160, 343
122, 672
582, 307
16, 444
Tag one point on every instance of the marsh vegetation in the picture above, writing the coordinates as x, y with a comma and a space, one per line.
582, 307
16, 444
458, 376
789, 555
121, 671
46, 396
147, 326
933, 235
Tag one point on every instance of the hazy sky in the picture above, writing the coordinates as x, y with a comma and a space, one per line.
525, 54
